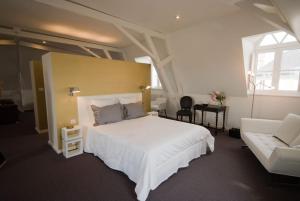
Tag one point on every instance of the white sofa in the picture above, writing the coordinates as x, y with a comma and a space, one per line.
276, 156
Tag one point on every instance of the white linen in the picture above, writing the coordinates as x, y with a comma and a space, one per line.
148, 149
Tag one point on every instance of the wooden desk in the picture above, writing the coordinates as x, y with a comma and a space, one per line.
211, 108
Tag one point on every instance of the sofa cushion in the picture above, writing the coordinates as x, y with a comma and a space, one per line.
289, 129
296, 142
264, 143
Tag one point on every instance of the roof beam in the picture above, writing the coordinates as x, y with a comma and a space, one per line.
27, 34
98, 15
107, 54
7, 42
90, 51
134, 40
165, 61
272, 19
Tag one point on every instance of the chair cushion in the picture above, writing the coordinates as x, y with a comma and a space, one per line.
289, 129
184, 112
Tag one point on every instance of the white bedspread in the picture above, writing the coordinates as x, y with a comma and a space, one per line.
148, 149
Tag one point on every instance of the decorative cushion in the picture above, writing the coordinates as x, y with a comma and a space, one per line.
99, 103
134, 110
289, 129
107, 114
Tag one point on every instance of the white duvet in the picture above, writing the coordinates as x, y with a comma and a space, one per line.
148, 149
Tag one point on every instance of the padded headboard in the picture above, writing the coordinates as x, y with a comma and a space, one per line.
84, 104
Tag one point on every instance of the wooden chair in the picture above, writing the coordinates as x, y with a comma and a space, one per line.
186, 103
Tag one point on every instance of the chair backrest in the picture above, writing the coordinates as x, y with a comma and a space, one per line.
186, 102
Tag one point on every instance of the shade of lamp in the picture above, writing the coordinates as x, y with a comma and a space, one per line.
144, 88
73, 90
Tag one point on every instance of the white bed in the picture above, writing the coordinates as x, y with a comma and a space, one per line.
147, 149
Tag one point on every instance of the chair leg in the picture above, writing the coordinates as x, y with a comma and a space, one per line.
181, 117
177, 117
166, 113
190, 118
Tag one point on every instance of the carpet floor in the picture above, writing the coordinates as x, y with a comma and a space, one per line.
34, 172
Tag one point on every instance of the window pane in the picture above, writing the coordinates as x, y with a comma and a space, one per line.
264, 70
289, 39
268, 40
289, 80
290, 60
290, 67
279, 36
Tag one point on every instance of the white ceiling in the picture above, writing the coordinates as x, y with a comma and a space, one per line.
160, 15
155, 14
39, 17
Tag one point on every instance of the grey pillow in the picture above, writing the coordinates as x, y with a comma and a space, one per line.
107, 114
134, 110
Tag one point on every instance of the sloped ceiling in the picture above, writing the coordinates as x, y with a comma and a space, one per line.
156, 14
209, 56
160, 15
37, 17
291, 10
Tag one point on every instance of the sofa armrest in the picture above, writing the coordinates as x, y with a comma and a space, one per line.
286, 153
259, 125
285, 160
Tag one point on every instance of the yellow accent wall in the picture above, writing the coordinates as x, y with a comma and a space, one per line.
93, 76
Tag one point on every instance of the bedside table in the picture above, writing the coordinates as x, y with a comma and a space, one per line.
153, 113
72, 141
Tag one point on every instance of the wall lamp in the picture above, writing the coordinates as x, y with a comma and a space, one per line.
73, 90
144, 88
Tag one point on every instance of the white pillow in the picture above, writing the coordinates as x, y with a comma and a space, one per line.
129, 99
289, 129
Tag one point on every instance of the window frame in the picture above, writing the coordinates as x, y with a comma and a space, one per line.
278, 50
156, 70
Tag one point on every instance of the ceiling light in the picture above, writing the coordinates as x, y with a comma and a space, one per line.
44, 42
177, 17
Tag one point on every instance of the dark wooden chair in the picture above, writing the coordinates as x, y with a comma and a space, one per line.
9, 112
186, 103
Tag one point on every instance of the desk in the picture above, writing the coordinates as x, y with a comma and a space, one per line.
211, 108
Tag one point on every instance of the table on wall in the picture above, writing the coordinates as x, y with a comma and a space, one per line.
211, 108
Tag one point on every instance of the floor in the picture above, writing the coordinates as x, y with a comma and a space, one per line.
34, 172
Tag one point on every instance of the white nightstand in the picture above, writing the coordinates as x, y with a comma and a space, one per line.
72, 141
153, 113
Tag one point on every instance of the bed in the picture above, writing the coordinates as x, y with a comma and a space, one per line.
147, 149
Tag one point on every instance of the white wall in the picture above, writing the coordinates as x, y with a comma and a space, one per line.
266, 107
209, 56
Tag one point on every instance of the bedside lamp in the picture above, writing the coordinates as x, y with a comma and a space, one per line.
73, 90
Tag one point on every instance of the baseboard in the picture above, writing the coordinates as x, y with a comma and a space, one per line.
58, 151
41, 131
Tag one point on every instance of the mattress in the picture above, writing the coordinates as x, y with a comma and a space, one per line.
147, 149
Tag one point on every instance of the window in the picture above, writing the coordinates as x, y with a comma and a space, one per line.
155, 82
289, 70
277, 63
